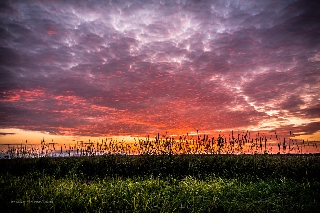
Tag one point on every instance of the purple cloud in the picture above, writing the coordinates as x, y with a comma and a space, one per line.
113, 68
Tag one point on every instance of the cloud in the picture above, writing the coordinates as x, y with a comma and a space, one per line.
6, 133
108, 68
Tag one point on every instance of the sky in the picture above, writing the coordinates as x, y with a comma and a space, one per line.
119, 68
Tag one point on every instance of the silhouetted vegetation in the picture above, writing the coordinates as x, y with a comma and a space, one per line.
233, 143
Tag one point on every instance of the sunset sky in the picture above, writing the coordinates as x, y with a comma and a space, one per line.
107, 68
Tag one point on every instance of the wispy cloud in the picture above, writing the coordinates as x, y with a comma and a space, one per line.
6, 133
126, 67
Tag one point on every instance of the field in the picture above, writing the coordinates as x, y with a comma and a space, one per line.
162, 183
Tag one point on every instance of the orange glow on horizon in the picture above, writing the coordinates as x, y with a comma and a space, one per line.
20, 136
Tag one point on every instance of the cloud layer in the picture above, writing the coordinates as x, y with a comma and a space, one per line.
131, 67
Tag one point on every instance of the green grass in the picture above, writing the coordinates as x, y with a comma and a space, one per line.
190, 183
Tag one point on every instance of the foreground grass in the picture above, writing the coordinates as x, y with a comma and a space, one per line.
35, 193
190, 183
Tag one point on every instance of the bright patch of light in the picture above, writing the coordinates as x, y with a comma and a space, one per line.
257, 108
91, 75
272, 112
297, 121
216, 78
73, 64
178, 59
315, 58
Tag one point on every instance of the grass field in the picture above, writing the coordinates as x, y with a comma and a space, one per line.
162, 183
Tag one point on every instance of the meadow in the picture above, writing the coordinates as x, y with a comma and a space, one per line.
162, 183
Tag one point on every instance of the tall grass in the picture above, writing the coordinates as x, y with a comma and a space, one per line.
154, 194
159, 145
